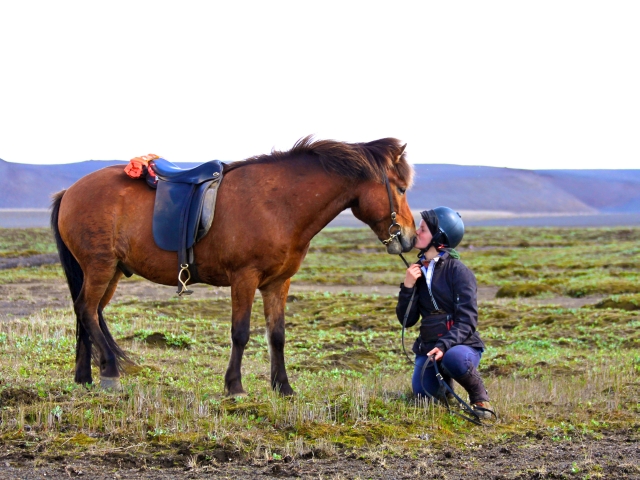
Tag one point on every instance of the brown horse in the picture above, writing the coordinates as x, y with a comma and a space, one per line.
268, 209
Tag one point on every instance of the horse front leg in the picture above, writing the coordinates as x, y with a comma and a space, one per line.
275, 299
243, 290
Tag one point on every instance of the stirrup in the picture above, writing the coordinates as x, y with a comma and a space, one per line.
182, 285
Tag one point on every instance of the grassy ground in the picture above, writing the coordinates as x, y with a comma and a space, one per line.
555, 373
22, 242
523, 262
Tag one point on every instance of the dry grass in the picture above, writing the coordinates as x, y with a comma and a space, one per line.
175, 395
553, 372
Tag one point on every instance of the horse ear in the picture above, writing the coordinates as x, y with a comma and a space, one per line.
400, 152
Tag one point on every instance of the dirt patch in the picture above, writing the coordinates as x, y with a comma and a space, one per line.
32, 261
21, 299
564, 302
534, 456
10, 397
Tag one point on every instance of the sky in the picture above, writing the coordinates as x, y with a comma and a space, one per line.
534, 85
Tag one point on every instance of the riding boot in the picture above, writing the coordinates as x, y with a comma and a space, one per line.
472, 383
478, 395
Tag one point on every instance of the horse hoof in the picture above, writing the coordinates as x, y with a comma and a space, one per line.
241, 394
285, 390
110, 383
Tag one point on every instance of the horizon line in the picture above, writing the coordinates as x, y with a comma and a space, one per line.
412, 163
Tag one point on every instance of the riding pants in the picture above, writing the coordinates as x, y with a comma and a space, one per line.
455, 363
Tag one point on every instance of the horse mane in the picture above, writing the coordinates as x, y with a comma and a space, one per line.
358, 161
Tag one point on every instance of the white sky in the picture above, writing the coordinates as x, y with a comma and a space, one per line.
538, 84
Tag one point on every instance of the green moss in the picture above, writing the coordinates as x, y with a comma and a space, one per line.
30, 274
17, 242
629, 302
523, 290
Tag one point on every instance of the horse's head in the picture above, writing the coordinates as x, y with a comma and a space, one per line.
382, 203
376, 176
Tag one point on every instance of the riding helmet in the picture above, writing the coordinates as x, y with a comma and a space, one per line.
446, 226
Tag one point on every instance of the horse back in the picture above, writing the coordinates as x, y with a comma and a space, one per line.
105, 220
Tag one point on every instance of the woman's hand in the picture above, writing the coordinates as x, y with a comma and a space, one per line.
437, 354
413, 274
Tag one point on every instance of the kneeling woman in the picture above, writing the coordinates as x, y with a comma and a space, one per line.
446, 301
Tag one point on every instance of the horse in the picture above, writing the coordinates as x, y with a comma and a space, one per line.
268, 209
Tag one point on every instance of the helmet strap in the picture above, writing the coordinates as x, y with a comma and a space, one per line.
438, 246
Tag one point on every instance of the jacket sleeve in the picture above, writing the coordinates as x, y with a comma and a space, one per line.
465, 306
403, 302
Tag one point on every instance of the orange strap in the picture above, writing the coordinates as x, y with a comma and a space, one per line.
135, 166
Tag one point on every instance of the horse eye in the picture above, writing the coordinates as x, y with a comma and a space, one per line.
402, 190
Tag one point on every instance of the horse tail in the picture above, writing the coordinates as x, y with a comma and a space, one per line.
122, 359
71, 267
73, 273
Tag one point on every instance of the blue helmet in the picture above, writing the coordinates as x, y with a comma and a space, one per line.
446, 226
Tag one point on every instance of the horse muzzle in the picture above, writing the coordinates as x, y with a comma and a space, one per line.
401, 244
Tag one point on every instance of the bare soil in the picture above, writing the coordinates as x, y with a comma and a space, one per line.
534, 456
21, 299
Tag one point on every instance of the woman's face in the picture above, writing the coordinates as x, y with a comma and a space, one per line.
423, 236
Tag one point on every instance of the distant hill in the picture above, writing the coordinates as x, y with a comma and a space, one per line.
489, 188
457, 186
31, 186
609, 191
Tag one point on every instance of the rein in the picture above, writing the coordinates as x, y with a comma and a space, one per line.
392, 236
472, 416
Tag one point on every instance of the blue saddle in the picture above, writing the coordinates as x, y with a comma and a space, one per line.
170, 172
184, 208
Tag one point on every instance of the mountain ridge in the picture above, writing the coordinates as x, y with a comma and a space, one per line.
458, 186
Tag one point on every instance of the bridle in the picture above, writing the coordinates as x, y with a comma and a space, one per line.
395, 230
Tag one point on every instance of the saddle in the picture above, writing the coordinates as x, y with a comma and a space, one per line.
184, 209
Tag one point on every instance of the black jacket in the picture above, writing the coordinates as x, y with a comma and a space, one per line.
455, 291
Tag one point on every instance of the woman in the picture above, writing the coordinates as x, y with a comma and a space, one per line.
446, 301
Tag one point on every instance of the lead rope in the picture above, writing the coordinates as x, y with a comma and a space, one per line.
472, 417
406, 315
428, 276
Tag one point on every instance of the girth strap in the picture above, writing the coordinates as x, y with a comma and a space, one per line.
183, 255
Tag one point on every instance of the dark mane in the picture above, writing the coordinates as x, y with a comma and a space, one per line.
360, 161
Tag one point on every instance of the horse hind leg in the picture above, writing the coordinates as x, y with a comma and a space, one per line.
275, 298
84, 349
84, 346
111, 289
92, 329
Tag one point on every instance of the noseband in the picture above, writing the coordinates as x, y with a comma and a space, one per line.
395, 230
